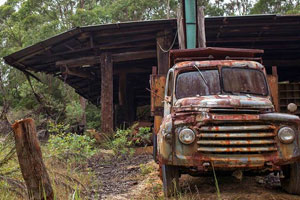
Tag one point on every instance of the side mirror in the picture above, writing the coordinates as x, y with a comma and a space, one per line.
292, 107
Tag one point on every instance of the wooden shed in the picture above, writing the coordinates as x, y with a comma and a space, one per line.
110, 64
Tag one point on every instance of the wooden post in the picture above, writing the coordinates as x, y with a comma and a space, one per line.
180, 29
163, 44
31, 161
106, 92
201, 28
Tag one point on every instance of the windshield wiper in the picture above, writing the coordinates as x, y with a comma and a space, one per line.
202, 76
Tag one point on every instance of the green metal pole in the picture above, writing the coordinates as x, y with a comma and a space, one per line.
190, 21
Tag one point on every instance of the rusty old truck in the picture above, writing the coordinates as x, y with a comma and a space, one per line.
218, 114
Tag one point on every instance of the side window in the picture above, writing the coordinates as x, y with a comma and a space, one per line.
170, 84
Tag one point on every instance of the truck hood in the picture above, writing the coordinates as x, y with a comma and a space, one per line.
225, 101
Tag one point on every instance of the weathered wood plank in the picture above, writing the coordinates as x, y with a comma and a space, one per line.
31, 161
164, 41
201, 28
180, 28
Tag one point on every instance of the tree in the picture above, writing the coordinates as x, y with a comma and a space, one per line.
275, 7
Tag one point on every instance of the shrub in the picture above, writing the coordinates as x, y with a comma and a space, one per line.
124, 140
121, 143
64, 143
143, 137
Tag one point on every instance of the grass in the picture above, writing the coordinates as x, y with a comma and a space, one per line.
69, 178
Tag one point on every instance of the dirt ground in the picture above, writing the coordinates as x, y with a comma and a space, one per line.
137, 178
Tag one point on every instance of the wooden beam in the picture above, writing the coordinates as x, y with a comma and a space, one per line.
163, 45
120, 57
78, 62
78, 73
138, 55
106, 67
201, 28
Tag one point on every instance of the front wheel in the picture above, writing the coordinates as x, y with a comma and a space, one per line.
291, 180
170, 176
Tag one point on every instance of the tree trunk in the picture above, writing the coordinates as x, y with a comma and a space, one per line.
31, 160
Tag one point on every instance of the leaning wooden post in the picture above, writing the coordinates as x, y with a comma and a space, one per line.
31, 161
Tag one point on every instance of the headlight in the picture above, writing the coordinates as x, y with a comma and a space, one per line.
286, 135
187, 136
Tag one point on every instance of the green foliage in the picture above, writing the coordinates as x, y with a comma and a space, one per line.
121, 145
125, 139
57, 129
275, 7
93, 115
73, 112
70, 143
143, 136
65, 143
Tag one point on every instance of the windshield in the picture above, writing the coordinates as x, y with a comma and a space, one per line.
207, 82
241, 80
197, 83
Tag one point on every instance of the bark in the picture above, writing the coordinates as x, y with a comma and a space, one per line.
31, 161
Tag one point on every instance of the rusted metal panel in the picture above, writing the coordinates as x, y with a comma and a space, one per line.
235, 142
235, 135
215, 52
236, 149
273, 84
236, 128
157, 93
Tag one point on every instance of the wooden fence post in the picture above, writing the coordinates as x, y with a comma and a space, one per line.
31, 160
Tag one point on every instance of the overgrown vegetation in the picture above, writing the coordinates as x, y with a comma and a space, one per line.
124, 140
65, 144
61, 154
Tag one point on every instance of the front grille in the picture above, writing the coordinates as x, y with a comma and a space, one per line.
236, 138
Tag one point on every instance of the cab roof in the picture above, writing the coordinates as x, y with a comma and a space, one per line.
214, 53
212, 63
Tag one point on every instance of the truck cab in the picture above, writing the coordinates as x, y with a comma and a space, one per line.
218, 115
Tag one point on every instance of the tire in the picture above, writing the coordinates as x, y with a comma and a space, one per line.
291, 181
170, 176
155, 148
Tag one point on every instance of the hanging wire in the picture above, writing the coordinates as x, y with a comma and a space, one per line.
172, 45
